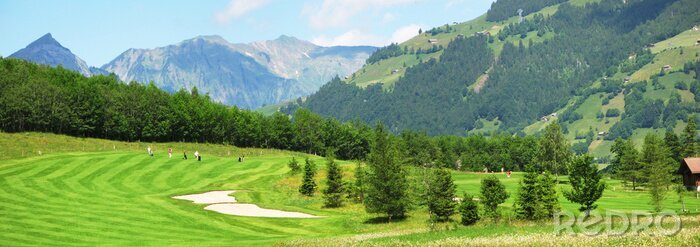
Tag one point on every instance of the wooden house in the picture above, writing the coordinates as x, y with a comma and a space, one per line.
690, 170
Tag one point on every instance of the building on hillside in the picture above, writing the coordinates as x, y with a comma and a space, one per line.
484, 33
432, 41
628, 79
690, 170
697, 42
667, 67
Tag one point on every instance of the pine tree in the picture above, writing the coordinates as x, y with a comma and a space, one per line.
387, 183
529, 201
308, 184
627, 160
333, 194
585, 184
468, 210
689, 142
673, 144
492, 193
294, 166
658, 167
547, 189
441, 193
360, 184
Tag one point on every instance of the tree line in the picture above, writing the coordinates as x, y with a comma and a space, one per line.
389, 187
655, 166
39, 98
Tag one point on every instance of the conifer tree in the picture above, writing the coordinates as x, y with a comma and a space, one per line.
360, 183
468, 210
333, 194
308, 184
387, 183
537, 196
627, 162
441, 193
689, 142
294, 166
658, 168
529, 200
673, 144
547, 189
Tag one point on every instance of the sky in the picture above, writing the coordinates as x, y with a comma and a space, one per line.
98, 31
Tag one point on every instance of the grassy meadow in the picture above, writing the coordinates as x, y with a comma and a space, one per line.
96, 192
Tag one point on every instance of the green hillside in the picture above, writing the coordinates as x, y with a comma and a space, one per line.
389, 70
579, 59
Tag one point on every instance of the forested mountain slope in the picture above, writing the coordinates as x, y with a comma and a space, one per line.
552, 62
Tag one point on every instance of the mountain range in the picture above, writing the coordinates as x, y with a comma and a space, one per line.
246, 75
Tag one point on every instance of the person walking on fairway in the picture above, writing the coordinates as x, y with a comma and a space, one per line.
170, 153
196, 156
150, 152
184, 155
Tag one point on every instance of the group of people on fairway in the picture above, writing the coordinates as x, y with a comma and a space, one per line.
197, 155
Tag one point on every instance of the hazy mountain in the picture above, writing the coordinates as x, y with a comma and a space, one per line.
246, 75
46, 50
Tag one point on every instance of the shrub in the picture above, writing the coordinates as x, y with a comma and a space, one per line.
468, 210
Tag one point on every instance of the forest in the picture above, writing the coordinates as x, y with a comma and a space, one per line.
528, 80
44, 99
503, 9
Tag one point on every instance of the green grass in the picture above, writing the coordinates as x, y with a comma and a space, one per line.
123, 197
489, 127
669, 81
684, 39
671, 57
383, 71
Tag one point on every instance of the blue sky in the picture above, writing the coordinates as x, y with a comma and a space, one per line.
98, 31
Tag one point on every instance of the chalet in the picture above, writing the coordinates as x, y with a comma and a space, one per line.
553, 114
462, 36
395, 71
602, 133
484, 33
690, 170
667, 67
697, 42
544, 119
432, 41
628, 79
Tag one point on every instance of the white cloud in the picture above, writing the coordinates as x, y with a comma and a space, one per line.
350, 38
336, 13
388, 17
356, 37
453, 3
238, 8
404, 33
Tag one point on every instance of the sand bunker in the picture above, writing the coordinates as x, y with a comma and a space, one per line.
254, 211
221, 202
209, 197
